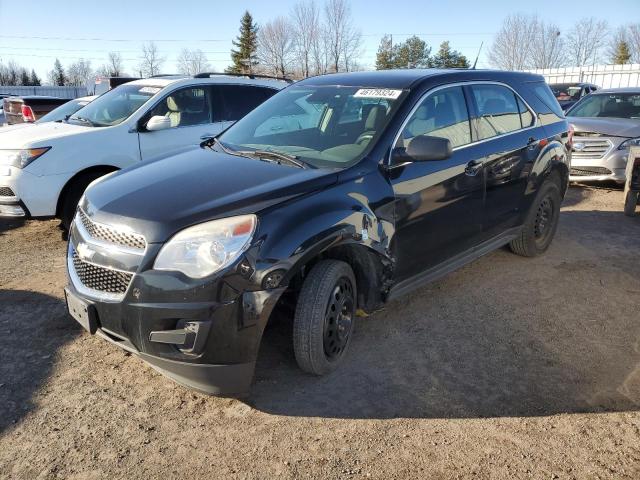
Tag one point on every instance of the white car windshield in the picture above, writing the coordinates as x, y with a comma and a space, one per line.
115, 106
323, 126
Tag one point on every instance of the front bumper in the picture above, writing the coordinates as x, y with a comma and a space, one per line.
24, 194
204, 334
610, 167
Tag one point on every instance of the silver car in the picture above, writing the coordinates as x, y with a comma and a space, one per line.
606, 123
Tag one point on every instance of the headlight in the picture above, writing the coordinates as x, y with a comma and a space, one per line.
203, 249
632, 142
21, 158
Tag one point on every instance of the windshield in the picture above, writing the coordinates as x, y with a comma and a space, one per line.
327, 126
64, 110
564, 93
115, 106
618, 105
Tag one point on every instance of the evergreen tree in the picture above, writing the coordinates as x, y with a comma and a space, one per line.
413, 53
385, 56
57, 75
34, 80
244, 55
622, 53
24, 78
449, 58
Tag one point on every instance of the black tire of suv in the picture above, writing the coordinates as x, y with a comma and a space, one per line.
72, 197
541, 223
329, 287
630, 203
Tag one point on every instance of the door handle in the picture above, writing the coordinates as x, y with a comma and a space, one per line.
473, 167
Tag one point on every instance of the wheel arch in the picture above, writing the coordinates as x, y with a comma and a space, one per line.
97, 169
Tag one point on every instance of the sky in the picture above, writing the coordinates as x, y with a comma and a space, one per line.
34, 33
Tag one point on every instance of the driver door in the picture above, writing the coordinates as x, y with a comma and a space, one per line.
191, 114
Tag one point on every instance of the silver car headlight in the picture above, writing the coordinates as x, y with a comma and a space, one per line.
204, 249
21, 158
632, 142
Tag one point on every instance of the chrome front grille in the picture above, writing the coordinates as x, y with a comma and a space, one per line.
111, 235
590, 148
100, 279
6, 192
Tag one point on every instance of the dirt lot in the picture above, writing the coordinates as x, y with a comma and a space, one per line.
508, 368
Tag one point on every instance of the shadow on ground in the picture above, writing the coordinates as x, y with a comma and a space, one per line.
33, 328
6, 224
497, 339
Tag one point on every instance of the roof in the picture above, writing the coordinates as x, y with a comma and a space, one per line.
408, 78
571, 84
633, 90
165, 80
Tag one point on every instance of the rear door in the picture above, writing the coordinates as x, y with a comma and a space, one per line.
235, 101
438, 204
510, 142
190, 110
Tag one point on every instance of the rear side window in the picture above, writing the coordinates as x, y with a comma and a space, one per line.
498, 110
442, 114
543, 92
238, 100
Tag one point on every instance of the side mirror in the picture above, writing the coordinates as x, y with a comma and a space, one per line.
158, 122
423, 148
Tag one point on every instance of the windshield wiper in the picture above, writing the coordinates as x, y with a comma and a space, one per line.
278, 156
283, 157
83, 120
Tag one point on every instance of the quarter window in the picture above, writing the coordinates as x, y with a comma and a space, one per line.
185, 107
526, 117
443, 114
498, 111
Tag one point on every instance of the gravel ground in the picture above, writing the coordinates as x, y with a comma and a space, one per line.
507, 368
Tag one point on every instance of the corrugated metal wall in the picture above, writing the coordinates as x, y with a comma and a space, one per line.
605, 76
52, 91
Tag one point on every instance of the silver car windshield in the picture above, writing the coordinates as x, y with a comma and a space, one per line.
615, 105
325, 126
115, 106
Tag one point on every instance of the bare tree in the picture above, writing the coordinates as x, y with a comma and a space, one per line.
275, 46
512, 44
79, 73
344, 41
547, 49
151, 61
114, 64
633, 39
586, 40
192, 62
305, 21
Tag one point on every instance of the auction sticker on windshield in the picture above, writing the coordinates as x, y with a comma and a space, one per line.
377, 93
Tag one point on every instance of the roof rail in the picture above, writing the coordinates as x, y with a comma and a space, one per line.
246, 75
160, 75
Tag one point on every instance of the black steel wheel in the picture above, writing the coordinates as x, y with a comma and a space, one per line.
324, 318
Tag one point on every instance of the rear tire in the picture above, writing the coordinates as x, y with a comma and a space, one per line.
324, 318
541, 223
72, 197
630, 203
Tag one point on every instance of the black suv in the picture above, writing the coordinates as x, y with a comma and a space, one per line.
338, 194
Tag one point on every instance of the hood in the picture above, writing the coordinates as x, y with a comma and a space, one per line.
15, 126
38, 134
614, 127
160, 198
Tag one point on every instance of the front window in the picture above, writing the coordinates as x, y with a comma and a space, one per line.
616, 105
115, 106
324, 126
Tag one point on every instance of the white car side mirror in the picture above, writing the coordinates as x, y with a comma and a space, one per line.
158, 122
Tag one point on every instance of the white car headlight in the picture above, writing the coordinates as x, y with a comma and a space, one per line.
21, 158
204, 249
632, 142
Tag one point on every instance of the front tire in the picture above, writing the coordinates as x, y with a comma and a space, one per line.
72, 197
630, 203
324, 318
541, 223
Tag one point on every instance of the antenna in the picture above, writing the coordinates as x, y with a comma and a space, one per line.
477, 56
